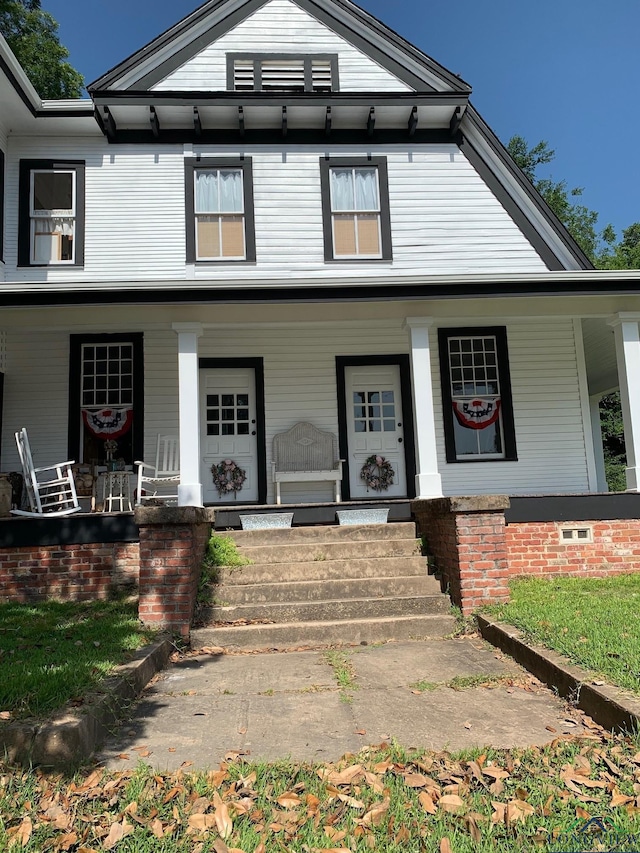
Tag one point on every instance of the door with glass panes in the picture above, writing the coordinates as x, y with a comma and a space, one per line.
228, 434
374, 426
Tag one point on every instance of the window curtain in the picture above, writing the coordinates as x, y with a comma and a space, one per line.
354, 189
219, 192
54, 225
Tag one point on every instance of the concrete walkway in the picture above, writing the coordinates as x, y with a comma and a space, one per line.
289, 704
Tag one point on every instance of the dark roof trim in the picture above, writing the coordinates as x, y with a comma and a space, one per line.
349, 293
472, 116
514, 210
137, 97
362, 20
16, 85
66, 113
177, 136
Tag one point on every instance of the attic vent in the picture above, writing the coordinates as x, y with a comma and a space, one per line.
321, 75
243, 75
287, 73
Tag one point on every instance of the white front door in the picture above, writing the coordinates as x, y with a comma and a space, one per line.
228, 432
374, 427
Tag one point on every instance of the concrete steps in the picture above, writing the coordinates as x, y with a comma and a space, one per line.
325, 585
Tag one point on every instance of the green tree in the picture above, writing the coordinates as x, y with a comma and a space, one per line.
624, 255
579, 220
32, 35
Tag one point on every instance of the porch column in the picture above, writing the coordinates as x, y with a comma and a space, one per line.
627, 337
190, 488
428, 480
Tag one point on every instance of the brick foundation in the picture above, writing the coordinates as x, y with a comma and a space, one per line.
466, 537
537, 548
82, 572
172, 545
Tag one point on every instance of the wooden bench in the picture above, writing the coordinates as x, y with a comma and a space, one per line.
305, 454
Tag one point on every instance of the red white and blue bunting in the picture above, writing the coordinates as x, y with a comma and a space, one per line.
478, 413
108, 423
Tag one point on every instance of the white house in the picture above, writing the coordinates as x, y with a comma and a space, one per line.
280, 211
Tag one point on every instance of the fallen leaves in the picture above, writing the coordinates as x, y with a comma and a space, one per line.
379, 798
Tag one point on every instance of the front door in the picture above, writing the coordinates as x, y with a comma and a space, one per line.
228, 434
375, 428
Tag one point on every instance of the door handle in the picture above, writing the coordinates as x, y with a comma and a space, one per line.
399, 441
253, 432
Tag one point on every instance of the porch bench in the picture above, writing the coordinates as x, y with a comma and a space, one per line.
305, 454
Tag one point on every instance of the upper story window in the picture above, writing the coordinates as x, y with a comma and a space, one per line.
219, 197
282, 72
51, 228
355, 205
476, 395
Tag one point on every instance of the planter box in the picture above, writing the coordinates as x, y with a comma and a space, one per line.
266, 520
375, 515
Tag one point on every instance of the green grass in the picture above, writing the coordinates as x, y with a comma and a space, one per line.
383, 799
593, 621
344, 672
52, 652
221, 551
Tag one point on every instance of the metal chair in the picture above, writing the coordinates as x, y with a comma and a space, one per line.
166, 472
51, 490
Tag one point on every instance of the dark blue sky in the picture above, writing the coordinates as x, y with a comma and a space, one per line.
567, 71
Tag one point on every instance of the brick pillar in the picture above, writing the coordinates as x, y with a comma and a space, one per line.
172, 545
466, 537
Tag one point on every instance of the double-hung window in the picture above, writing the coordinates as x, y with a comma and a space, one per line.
355, 206
219, 210
476, 394
51, 213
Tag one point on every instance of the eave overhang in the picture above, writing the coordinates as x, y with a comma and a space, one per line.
130, 116
575, 283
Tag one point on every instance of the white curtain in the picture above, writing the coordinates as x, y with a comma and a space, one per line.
218, 192
54, 225
354, 189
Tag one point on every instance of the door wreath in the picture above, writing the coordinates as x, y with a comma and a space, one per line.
228, 477
377, 473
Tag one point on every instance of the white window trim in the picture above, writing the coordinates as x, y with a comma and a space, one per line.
355, 213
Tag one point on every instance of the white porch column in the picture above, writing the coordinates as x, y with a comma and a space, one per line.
428, 480
628, 356
190, 488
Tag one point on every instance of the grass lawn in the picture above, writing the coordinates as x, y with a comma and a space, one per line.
593, 621
51, 653
382, 799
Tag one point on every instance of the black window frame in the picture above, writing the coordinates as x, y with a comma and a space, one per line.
326, 164
504, 377
75, 392
24, 217
245, 164
259, 58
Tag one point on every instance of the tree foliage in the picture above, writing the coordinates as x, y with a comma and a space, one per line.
32, 34
579, 220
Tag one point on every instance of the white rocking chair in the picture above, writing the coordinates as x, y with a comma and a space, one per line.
51, 490
166, 472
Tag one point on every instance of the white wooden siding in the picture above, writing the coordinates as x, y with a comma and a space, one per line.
300, 383
444, 220
281, 26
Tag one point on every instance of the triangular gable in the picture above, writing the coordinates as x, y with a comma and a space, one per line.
180, 44
281, 27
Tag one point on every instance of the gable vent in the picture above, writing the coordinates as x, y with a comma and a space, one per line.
282, 73
321, 75
243, 75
